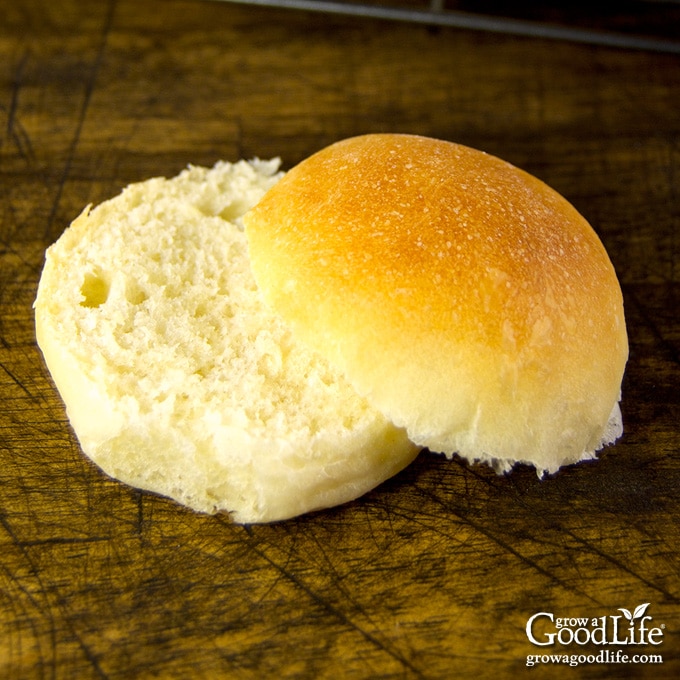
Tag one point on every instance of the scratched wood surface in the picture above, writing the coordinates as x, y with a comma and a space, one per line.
435, 573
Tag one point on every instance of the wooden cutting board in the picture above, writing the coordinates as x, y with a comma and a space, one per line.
436, 573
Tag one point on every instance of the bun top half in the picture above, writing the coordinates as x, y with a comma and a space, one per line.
464, 298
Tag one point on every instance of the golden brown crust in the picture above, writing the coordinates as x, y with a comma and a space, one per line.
467, 299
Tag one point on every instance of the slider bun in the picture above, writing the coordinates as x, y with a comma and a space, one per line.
462, 297
178, 379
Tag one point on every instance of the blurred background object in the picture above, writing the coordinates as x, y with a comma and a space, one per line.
637, 24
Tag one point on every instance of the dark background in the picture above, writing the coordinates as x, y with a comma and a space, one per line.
435, 573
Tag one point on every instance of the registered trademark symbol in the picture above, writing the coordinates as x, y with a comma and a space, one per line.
663, 625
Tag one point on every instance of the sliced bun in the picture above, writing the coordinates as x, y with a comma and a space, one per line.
465, 299
175, 375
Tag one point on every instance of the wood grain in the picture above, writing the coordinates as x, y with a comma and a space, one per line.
435, 573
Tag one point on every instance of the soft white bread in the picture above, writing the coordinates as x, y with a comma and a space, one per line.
175, 375
465, 299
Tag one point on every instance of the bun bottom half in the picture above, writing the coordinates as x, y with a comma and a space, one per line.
178, 379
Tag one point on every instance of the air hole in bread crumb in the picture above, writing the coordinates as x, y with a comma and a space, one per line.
134, 294
234, 211
95, 290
